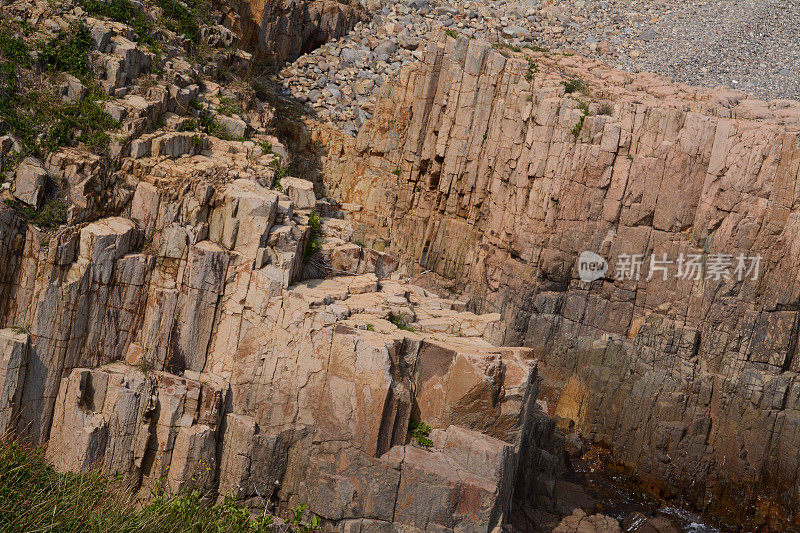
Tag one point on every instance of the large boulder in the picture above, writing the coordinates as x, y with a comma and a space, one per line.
30, 182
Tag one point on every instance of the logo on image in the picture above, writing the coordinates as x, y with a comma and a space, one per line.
591, 266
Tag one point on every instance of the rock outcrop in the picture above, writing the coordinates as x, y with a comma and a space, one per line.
489, 175
283, 30
177, 343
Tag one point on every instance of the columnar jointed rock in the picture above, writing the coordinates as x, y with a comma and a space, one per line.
176, 342
479, 170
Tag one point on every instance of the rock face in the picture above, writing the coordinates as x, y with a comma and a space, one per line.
480, 173
175, 343
284, 30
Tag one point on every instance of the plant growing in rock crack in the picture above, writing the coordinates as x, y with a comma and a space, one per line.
533, 68
451, 33
281, 171
400, 320
123, 11
605, 109
51, 215
229, 106
584, 107
299, 524
314, 243
421, 431
574, 85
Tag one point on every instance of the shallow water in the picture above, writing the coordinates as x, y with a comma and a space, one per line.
621, 499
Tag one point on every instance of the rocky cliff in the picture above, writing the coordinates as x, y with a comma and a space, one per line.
280, 30
160, 316
488, 172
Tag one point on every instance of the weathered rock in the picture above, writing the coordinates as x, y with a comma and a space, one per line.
490, 182
300, 192
286, 30
13, 365
580, 522
30, 182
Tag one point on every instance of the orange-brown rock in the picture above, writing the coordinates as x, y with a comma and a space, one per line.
484, 177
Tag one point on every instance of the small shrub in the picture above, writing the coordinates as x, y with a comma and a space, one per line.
401, 321
68, 51
210, 126
396, 172
584, 107
314, 243
451, 33
229, 106
421, 433
574, 85
370, 327
84, 121
605, 109
123, 11
533, 68
52, 214
188, 125
298, 523
182, 18
266, 146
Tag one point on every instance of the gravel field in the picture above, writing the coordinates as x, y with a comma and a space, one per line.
752, 45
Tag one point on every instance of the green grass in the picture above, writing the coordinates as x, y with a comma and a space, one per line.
537, 48
123, 11
421, 431
578, 127
400, 320
36, 116
68, 51
14, 49
52, 214
182, 18
506, 46
314, 243
35, 497
229, 106
574, 85
451, 33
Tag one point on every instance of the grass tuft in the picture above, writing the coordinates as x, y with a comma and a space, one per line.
123, 11
51, 215
401, 321
35, 497
421, 431
68, 51
314, 243
574, 85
